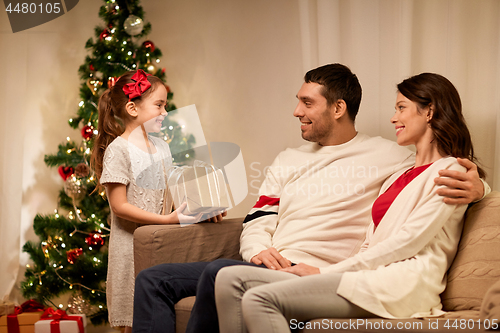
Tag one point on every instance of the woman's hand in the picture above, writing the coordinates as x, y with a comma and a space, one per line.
301, 270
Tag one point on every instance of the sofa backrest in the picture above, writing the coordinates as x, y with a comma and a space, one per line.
477, 264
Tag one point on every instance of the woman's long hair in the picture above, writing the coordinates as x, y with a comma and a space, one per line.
447, 123
113, 117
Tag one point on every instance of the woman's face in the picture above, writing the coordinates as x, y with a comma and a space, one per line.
411, 125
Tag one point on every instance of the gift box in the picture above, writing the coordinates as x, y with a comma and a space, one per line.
22, 319
26, 322
6, 308
201, 186
57, 321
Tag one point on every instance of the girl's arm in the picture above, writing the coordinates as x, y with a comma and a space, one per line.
117, 197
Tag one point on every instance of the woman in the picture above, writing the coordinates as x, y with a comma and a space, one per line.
400, 269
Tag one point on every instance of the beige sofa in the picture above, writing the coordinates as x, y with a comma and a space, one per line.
475, 269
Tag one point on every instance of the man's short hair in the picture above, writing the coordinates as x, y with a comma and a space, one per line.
338, 83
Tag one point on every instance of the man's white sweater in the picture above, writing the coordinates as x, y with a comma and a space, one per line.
315, 202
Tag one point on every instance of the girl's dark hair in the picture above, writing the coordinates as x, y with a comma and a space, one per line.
447, 123
112, 117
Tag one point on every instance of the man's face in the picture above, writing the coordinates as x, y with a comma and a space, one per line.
315, 116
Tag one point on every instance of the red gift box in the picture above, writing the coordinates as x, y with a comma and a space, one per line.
23, 318
57, 321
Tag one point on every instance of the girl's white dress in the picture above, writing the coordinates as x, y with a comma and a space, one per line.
143, 175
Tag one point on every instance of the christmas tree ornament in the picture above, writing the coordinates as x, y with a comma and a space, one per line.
46, 246
133, 25
45, 249
91, 68
94, 84
74, 188
95, 240
111, 81
150, 67
87, 132
149, 45
82, 170
111, 8
78, 304
104, 34
65, 172
73, 254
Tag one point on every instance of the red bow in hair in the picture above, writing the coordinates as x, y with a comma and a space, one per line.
140, 85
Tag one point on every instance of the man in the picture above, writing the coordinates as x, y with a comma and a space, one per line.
314, 205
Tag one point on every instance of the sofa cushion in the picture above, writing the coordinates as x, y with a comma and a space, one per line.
477, 264
172, 243
490, 309
182, 313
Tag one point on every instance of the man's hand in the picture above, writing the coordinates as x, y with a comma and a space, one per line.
462, 188
271, 258
302, 270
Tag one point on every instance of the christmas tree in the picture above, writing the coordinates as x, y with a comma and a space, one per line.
71, 256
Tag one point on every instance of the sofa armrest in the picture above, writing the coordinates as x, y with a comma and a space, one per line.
158, 244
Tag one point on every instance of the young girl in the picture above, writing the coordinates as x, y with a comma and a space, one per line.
130, 164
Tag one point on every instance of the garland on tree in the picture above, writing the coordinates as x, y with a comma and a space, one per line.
72, 255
